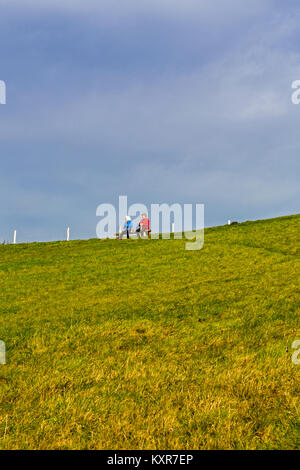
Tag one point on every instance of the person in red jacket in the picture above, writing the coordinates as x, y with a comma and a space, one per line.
144, 227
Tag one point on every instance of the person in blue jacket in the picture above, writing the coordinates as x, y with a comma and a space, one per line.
127, 229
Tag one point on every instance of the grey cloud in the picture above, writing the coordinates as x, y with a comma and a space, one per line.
223, 132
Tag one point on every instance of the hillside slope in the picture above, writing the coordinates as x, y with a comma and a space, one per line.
142, 344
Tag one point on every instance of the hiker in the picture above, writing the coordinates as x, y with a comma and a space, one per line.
128, 228
143, 229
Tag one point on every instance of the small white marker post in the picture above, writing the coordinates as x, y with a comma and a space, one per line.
173, 228
68, 234
229, 222
15, 237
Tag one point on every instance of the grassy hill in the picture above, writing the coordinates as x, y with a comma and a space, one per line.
143, 345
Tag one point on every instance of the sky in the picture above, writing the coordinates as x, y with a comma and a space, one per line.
164, 101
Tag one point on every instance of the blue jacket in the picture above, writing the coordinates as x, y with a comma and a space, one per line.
128, 225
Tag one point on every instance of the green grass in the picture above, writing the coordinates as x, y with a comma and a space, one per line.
141, 344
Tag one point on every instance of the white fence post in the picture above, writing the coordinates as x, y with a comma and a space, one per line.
229, 222
173, 228
15, 237
68, 234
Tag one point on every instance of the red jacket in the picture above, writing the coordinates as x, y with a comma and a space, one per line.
145, 223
